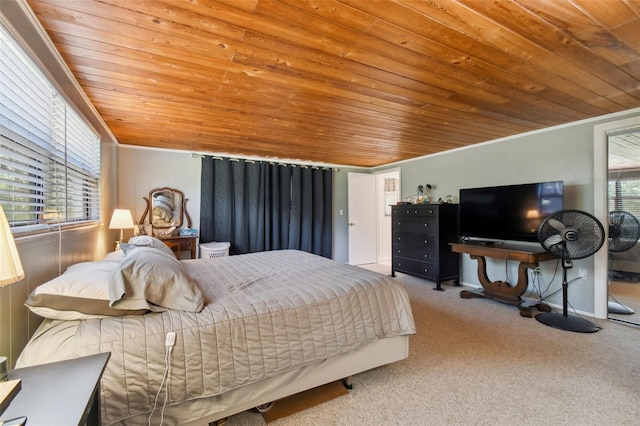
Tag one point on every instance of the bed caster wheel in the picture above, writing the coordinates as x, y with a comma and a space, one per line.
347, 383
264, 407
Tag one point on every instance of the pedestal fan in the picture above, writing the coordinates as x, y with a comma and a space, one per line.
624, 231
570, 235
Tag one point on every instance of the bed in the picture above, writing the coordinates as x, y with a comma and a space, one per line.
248, 329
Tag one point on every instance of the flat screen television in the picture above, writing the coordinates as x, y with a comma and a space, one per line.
510, 212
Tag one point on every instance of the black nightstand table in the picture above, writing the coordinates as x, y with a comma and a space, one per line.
59, 393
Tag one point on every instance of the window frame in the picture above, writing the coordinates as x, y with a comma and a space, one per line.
28, 162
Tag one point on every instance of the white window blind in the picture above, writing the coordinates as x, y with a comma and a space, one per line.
49, 157
624, 194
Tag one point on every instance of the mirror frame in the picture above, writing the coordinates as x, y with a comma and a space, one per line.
149, 209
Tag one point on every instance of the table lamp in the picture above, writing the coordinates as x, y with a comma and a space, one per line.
121, 220
10, 272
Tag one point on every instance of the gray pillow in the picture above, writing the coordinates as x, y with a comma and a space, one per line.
82, 292
151, 279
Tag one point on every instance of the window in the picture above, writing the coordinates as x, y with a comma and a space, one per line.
49, 156
391, 194
624, 194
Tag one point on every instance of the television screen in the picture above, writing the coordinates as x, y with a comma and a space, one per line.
511, 212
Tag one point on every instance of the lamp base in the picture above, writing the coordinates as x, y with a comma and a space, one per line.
18, 421
8, 390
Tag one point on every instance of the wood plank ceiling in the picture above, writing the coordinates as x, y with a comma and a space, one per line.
352, 82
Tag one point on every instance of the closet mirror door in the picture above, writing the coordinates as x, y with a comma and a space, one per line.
624, 229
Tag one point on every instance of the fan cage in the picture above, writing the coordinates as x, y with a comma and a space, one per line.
624, 231
571, 234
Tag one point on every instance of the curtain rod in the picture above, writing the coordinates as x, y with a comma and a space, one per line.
335, 169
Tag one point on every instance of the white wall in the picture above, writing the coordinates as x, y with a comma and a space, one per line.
140, 170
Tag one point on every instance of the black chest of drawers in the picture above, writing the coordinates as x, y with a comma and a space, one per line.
421, 235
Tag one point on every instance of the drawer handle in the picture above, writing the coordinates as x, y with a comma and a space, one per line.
426, 224
426, 256
426, 241
426, 269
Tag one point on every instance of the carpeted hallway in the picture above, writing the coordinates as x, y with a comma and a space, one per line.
478, 362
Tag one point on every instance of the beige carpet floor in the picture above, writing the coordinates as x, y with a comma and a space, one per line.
478, 362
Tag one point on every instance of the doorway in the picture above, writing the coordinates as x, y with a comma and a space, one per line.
617, 202
362, 218
369, 199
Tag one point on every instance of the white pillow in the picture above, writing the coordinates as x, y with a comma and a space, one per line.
148, 241
81, 292
114, 256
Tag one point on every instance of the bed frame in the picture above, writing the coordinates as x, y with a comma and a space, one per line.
215, 409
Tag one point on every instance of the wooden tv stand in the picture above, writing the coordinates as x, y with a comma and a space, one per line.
501, 291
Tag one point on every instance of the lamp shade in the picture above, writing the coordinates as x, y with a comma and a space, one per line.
121, 219
10, 267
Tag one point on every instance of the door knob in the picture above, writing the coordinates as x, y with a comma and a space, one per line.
352, 224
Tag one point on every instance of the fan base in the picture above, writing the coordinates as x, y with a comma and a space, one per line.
556, 320
619, 308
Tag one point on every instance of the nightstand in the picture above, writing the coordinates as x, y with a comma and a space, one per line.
181, 243
59, 393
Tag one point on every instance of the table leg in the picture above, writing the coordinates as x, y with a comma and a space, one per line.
502, 291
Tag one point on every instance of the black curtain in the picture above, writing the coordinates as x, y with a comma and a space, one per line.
258, 206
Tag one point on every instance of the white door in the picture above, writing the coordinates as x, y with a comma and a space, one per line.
362, 218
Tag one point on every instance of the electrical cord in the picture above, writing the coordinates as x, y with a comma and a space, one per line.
560, 289
628, 311
569, 305
506, 272
59, 241
555, 273
575, 312
170, 341
535, 286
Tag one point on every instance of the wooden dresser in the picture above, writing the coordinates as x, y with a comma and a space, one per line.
421, 234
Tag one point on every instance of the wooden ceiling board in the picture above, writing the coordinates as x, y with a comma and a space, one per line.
353, 82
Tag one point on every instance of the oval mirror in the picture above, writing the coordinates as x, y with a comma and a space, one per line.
166, 207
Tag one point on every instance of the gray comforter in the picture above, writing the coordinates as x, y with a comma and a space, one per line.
265, 313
